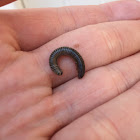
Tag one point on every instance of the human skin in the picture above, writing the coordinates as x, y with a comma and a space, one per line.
36, 104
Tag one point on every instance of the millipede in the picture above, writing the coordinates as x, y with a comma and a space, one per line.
69, 52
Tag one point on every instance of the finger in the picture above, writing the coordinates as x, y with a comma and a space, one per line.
35, 27
21, 95
100, 85
98, 45
117, 119
70, 101
4, 2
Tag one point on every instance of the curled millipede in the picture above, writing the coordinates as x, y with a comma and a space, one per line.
70, 52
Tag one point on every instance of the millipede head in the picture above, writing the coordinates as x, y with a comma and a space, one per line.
59, 72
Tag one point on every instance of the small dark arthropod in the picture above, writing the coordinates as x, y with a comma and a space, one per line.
70, 52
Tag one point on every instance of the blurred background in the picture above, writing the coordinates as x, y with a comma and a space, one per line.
51, 3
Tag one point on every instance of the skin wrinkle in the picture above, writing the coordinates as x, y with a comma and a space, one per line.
12, 42
67, 14
68, 107
89, 14
11, 45
124, 109
61, 121
96, 135
23, 87
120, 74
57, 113
121, 45
9, 60
109, 121
109, 38
126, 77
10, 33
117, 11
126, 80
19, 116
15, 42
73, 107
84, 119
54, 110
109, 9
112, 77
39, 63
137, 87
19, 95
33, 22
97, 91
136, 90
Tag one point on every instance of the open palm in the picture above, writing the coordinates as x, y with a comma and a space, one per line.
36, 104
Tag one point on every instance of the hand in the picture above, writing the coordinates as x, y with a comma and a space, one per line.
35, 104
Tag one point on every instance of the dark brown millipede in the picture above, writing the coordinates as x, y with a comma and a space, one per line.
70, 52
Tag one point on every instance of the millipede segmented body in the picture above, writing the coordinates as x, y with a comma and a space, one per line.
70, 52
